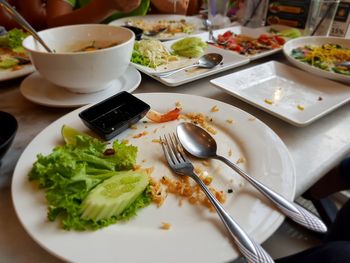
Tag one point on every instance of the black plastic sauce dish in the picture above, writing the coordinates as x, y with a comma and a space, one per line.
112, 116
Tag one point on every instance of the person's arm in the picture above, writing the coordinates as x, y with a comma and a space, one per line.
95, 12
171, 6
34, 11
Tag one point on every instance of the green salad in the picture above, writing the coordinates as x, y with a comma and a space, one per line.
152, 53
89, 185
11, 48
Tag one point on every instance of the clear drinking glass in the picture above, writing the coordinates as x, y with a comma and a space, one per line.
253, 13
217, 13
320, 17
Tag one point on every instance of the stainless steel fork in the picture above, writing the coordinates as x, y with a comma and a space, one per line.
180, 164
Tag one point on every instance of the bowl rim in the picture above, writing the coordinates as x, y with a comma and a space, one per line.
12, 118
289, 45
30, 50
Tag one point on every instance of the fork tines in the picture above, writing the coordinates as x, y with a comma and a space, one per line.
173, 150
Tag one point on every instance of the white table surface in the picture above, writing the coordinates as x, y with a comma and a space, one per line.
315, 149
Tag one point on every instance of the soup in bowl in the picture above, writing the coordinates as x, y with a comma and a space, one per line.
87, 58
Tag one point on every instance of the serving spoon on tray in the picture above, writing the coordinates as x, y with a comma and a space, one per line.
209, 60
201, 144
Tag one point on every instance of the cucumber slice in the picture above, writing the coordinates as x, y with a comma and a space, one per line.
111, 197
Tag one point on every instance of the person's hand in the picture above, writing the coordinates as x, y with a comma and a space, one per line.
125, 6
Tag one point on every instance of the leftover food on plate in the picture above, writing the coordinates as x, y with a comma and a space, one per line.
90, 184
326, 57
12, 53
94, 45
153, 53
247, 45
167, 27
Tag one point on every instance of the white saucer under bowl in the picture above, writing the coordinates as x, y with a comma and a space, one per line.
38, 90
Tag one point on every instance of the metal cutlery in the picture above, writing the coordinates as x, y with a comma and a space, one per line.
201, 144
180, 164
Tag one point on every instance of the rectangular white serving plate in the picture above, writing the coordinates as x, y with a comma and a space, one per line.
231, 60
289, 89
251, 32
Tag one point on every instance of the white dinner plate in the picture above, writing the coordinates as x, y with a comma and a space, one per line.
285, 92
230, 60
7, 74
196, 234
254, 33
39, 90
152, 19
316, 41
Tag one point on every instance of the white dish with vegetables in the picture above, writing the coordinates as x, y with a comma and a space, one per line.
14, 60
254, 43
320, 56
176, 26
154, 232
153, 56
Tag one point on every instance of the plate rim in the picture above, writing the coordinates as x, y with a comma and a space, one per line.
8, 74
314, 70
51, 103
278, 221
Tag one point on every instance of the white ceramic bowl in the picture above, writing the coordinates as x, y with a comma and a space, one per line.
82, 72
316, 41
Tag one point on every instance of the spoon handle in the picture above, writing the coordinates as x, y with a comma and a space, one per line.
251, 250
290, 209
171, 72
23, 23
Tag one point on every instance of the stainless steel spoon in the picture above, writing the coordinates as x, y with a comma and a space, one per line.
201, 144
206, 61
24, 23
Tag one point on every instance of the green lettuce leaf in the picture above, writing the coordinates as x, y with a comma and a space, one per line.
71, 171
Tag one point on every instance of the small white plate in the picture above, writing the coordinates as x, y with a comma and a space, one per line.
316, 41
251, 32
295, 96
231, 60
38, 90
7, 74
193, 20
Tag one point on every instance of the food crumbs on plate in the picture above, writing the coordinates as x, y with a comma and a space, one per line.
300, 107
230, 152
229, 191
144, 121
165, 226
146, 126
214, 109
156, 141
133, 127
320, 98
205, 163
178, 105
155, 130
143, 161
15, 68
141, 134
240, 160
199, 119
268, 101
252, 119
230, 121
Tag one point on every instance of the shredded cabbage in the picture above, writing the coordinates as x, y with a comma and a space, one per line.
151, 53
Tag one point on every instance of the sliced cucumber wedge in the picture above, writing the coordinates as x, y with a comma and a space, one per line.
114, 195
